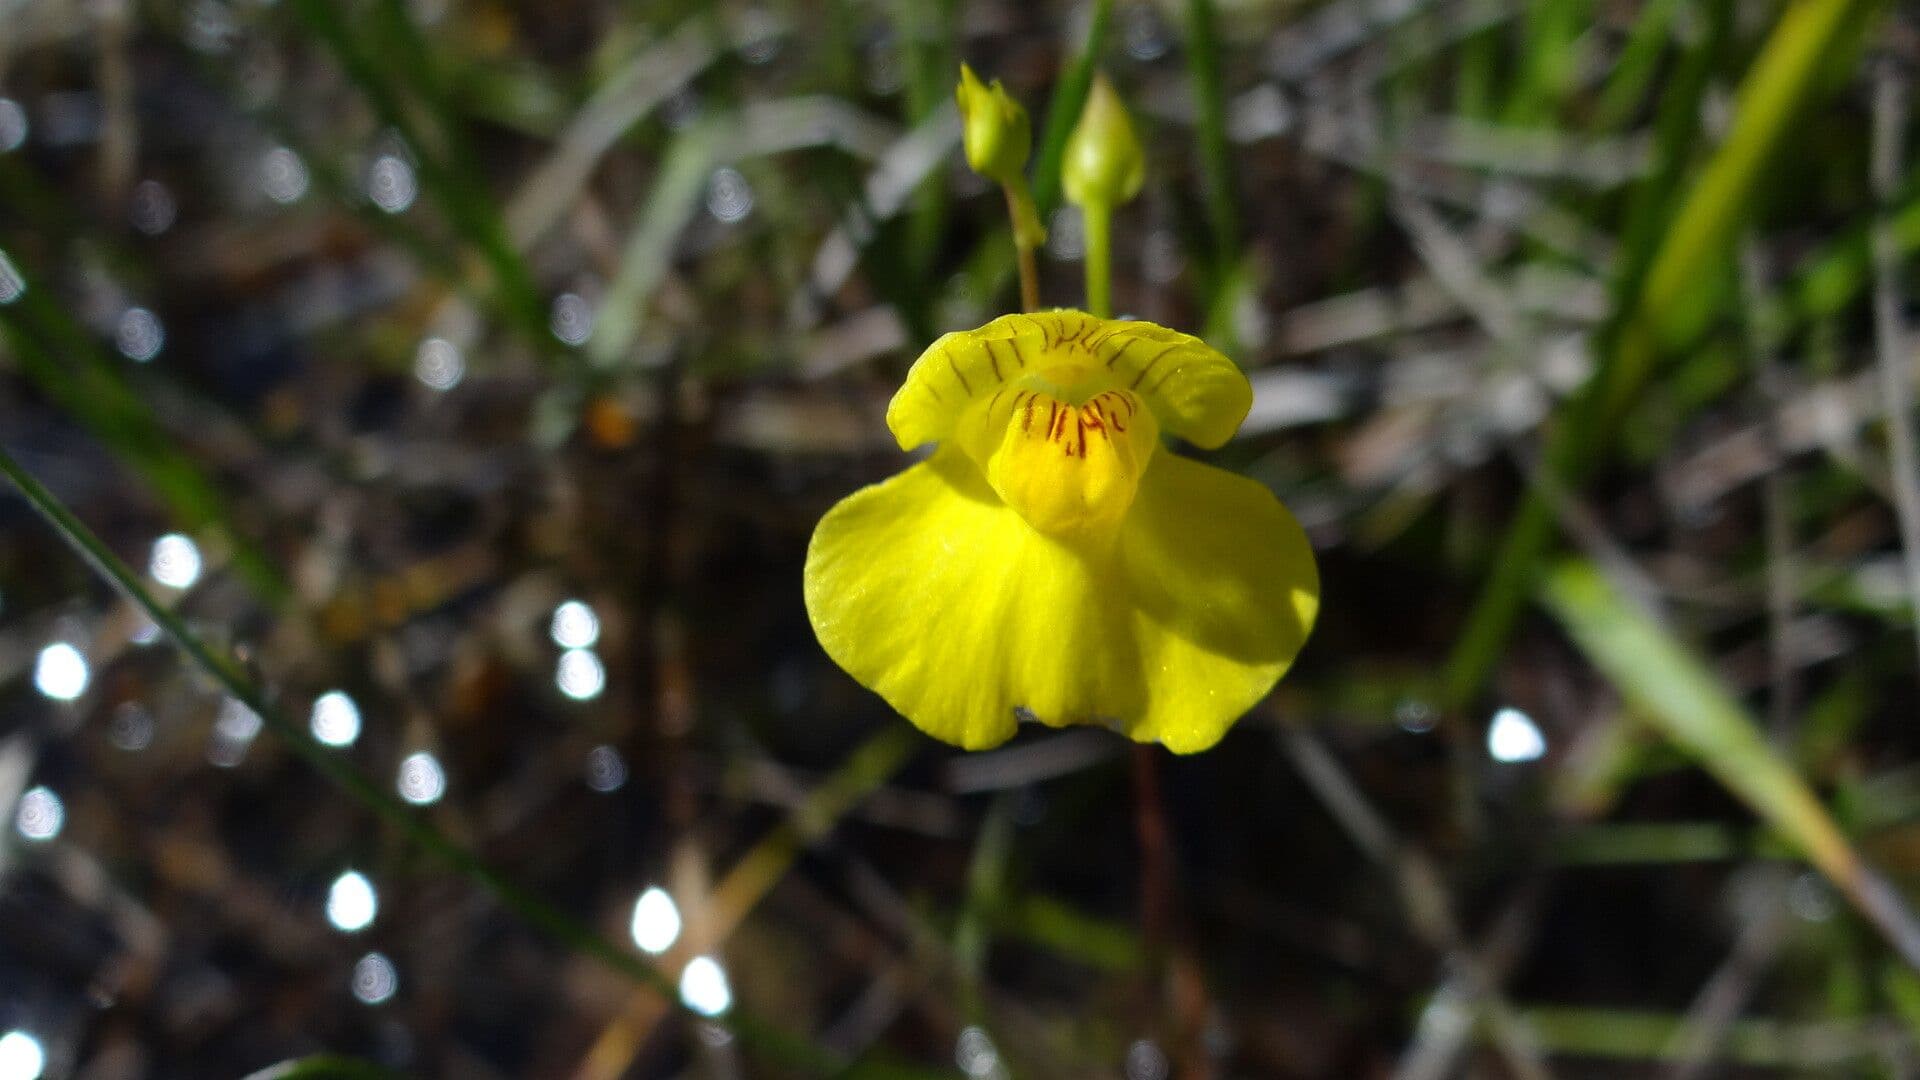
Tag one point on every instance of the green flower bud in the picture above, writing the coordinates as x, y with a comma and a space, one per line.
1104, 163
994, 128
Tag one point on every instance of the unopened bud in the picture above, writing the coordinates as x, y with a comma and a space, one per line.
994, 128
1104, 163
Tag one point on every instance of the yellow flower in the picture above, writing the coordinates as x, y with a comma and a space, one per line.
1052, 560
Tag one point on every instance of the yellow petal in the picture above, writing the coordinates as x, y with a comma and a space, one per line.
1195, 392
1224, 589
932, 592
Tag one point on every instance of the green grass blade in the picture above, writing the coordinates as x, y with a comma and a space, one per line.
325, 1067
670, 205
1100, 944
1550, 60
986, 895
1822, 1049
930, 30
1777, 90
1216, 162
1635, 65
1659, 843
1677, 694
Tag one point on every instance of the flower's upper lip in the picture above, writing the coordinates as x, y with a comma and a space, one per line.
1194, 391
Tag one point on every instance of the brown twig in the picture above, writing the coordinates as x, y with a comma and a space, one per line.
1173, 971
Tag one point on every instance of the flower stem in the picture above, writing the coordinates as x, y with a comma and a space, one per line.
1029, 279
1099, 228
1028, 234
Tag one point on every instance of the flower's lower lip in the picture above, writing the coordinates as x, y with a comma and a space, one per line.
935, 593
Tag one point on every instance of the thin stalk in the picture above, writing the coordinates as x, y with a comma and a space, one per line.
1763, 335
1029, 278
1020, 211
779, 1044
1098, 220
1890, 96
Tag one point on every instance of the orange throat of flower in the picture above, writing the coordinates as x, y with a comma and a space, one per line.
1067, 458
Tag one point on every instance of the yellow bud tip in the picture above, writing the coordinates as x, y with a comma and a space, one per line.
994, 128
1104, 164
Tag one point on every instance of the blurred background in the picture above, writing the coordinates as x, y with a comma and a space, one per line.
472, 375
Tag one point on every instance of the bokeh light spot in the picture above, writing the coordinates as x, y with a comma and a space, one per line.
606, 769
656, 921
336, 719
572, 319
1513, 737
975, 1053
175, 561
575, 626
233, 731
374, 979
390, 184
438, 364
283, 176
12, 285
139, 337
153, 210
422, 781
61, 672
580, 675
40, 814
729, 196
21, 1056
351, 902
703, 987
13, 125
131, 728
